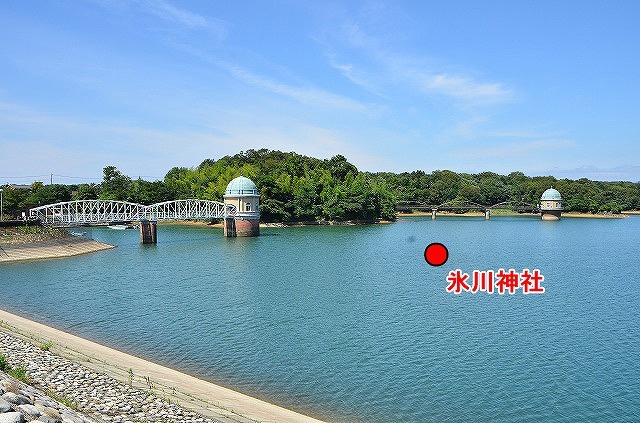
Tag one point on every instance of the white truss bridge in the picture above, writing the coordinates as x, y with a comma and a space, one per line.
104, 212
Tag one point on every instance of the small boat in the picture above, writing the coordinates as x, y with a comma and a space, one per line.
120, 227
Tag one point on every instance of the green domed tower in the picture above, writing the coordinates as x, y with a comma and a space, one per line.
243, 194
551, 205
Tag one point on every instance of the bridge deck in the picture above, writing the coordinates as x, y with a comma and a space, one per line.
97, 212
522, 207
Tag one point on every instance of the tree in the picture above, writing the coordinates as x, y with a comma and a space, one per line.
493, 190
41, 195
115, 185
86, 192
470, 192
340, 167
14, 201
305, 198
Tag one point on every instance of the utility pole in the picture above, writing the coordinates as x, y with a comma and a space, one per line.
1, 208
51, 179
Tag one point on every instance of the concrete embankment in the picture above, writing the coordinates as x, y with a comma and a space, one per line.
109, 385
52, 248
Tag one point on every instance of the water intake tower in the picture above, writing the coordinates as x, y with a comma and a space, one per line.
243, 194
551, 205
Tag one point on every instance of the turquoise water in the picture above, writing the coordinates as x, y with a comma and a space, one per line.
351, 324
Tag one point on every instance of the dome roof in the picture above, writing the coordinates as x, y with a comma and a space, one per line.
241, 186
551, 194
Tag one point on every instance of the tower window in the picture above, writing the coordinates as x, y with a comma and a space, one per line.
247, 207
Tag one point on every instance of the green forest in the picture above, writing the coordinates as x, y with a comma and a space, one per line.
298, 188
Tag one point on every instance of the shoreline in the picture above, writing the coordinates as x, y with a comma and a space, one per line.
67, 246
202, 223
70, 245
202, 397
622, 215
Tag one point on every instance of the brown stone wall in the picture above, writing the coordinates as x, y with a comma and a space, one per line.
551, 215
247, 227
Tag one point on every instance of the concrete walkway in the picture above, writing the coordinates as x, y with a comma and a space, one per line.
54, 248
206, 398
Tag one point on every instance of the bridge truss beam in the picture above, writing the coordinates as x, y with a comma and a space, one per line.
97, 212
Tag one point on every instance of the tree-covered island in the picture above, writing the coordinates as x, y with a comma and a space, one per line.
297, 188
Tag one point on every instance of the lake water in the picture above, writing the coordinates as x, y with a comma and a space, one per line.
351, 324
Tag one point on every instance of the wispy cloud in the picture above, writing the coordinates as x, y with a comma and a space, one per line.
35, 142
312, 140
466, 88
357, 76
524, 133
418, 72
514, 149
306, 95
169, 12
618, 173
166, 11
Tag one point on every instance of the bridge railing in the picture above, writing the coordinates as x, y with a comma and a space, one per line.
515, 205
87, 212
466, 205
189, 209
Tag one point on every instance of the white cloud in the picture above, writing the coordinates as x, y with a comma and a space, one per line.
355, 74
309, 95
166, 11
514, 149
388, 66
466, 88
523, 133
618, 173
33, 142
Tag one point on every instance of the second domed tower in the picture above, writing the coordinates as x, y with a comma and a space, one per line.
551, 205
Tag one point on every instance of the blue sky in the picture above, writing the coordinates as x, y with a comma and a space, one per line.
544, 87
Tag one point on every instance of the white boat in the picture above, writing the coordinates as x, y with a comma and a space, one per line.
120, 227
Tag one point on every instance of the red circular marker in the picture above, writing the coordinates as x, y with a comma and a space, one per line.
436, 254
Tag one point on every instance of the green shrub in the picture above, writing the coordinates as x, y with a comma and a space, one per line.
46, 346
4, 366
64, 400
19, 373
30, 229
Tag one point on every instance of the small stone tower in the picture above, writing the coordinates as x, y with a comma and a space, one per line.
551, 205
243, 194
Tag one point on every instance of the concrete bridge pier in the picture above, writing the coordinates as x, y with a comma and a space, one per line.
148, 232
433, 214
230, 227
487, 214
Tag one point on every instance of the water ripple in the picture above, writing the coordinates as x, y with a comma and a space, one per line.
349, 323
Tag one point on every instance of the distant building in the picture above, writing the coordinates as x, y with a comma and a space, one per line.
551, 205
243, 194
18, 186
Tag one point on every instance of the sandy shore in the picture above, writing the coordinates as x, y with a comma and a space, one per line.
494, 214
440, 213
52, 248
203, 397
275, 224
594, 216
